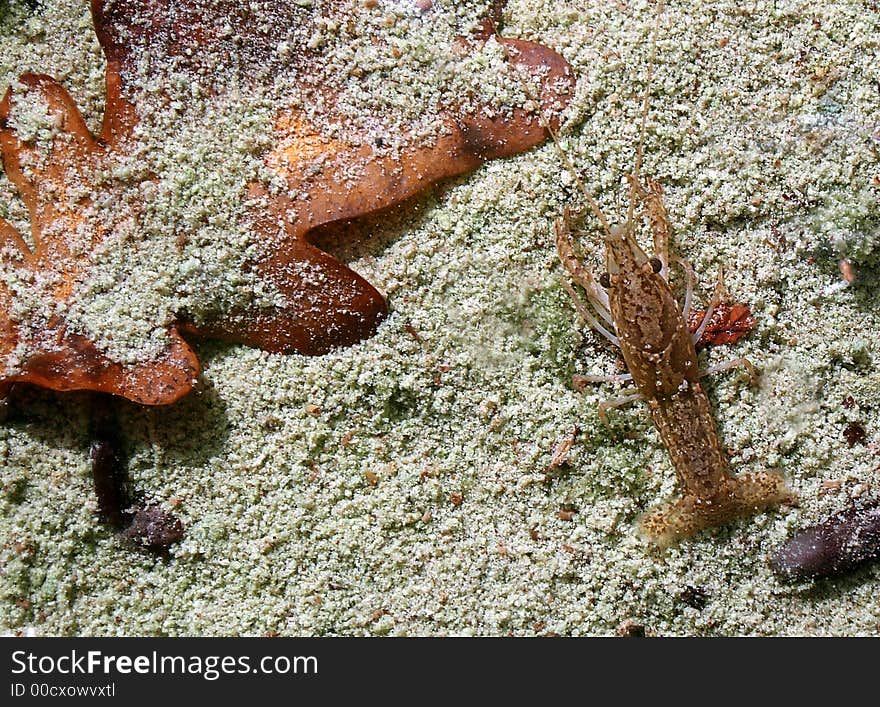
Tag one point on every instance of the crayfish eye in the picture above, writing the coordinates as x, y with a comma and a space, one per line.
656, 264
605, 280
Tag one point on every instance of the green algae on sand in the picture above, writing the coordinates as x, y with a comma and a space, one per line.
397, 487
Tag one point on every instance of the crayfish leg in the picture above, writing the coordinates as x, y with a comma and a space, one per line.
587, 316
578, 271
717, 295
607, 405
734, 363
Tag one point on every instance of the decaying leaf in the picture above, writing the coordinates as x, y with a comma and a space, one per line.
729, 323
561, 450
833, 547
317, 75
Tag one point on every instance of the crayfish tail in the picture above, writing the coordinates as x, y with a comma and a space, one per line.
741, 497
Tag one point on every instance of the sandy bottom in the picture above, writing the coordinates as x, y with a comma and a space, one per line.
400, 486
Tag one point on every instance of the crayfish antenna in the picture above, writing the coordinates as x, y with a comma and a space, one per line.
640, 149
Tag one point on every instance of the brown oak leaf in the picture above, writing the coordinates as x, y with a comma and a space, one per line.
332, 150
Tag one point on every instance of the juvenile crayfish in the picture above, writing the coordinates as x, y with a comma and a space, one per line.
633, 306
